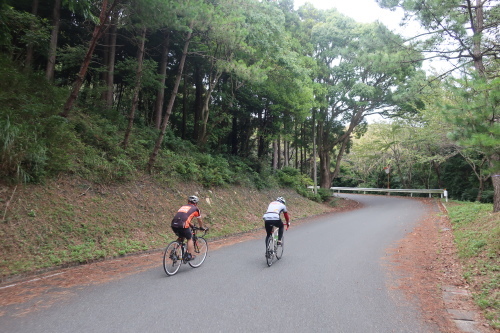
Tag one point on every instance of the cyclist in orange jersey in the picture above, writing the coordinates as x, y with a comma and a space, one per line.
181, 223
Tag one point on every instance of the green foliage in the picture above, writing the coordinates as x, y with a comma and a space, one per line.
19, 28
325, 194
34, 141
291, 177
473, 110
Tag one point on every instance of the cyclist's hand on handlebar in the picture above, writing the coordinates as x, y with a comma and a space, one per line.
287, 226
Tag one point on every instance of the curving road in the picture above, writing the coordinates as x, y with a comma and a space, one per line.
333, 278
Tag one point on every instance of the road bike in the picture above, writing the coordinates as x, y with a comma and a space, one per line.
176, 252
273, 249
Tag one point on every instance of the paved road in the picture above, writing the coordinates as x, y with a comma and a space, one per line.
333, 278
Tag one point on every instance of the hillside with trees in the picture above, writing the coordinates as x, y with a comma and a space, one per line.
112, 104
106, 89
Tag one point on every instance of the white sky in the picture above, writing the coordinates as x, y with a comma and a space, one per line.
364, 11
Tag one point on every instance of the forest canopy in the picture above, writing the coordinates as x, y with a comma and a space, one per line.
250, 92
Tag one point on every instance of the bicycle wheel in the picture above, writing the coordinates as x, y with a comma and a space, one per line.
270, 251
172, 258
279, 248
200, 251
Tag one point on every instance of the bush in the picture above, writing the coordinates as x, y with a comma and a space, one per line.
34, 141
324, 194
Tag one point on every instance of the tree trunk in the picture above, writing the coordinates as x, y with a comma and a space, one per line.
315, 170
105, 61
56, 22
495, 179
198, 102
275, 155
233, 136
29, 49
286, 153
261, 140
184, 109
303, 148
110, 79
278, 153
96, 35
203, 137
296, 144
163, 75
170, 106
343, 146
137, 88
324, 169
477, 29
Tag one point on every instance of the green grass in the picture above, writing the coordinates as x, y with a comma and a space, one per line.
477, 236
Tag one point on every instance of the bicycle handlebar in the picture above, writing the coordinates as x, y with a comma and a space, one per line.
205, 230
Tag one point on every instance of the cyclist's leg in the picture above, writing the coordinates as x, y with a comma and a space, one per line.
188, 235
269, 229
280, 226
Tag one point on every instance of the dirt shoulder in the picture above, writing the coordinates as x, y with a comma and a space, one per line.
425, 266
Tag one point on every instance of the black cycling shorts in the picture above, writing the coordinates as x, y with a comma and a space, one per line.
183, 232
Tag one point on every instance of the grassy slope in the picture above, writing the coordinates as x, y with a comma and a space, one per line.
477, 236
70, 220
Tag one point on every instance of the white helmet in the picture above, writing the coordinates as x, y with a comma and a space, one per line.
194, 199
282, 200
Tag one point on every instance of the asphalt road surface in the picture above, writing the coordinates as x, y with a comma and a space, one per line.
333, 277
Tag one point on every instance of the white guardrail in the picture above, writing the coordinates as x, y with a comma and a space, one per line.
441, 192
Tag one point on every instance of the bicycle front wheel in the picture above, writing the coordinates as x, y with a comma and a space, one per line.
270, 251
200, 251
172, 258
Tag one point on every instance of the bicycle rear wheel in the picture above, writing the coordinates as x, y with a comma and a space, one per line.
200, 251
172, 258
279, 248
270, 251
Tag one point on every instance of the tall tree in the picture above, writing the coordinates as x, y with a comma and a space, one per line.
56, 22
137, 87
29, 48
160, 96
111, 59
170, 106
361, 69
458, 31
466, 32
99, 29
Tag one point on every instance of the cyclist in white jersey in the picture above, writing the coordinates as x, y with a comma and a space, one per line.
272, 218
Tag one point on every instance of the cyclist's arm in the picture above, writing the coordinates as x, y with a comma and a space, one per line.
200, 222
287, 217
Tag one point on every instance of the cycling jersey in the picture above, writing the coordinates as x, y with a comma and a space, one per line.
274, 210
184, 216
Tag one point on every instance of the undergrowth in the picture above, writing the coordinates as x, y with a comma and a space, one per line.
477, 235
